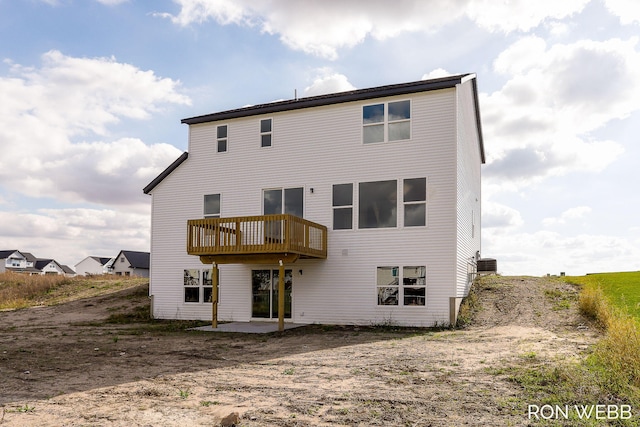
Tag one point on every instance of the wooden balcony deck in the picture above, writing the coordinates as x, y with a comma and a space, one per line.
256, 239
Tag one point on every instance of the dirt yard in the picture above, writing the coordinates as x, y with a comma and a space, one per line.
65, 365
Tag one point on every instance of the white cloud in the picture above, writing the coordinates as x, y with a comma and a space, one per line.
626, 10
437, 73
496, 215
322, 28
50, 115
540, 123
543, 252
520, 15
56, 233
328, 82
570, 215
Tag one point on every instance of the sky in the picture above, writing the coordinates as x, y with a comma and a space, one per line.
92, 93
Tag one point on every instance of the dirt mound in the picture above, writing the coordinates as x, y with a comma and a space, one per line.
548, 303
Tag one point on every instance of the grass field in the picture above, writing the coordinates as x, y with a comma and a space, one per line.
21, 290
613, 300
622, 290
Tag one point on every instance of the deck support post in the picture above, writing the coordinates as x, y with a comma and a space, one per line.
281, 297
214, 295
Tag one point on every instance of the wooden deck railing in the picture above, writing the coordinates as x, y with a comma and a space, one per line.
262, 234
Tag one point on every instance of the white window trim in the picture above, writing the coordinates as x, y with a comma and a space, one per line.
201, 287
400, 206
401, 305
426, 203
266, 133
353, 206
386, 122
204, 214
226, 139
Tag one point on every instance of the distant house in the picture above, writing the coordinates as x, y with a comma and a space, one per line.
31, 259
24, 262
93, 265
17, 262
49, 266
68, 271
12, 259
131, 263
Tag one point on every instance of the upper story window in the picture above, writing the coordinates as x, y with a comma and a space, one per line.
343, 206
266, 132
283, 201
377, 204
222, 138
415, 202
386, 122
212, 206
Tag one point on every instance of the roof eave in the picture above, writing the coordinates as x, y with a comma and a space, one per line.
334, 98
173, 166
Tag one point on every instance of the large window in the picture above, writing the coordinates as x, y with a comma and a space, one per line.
413, 291
266, 132
212, 206
415, 202
222, 138
194, 288
283, 200
343, 206
386, 122
377, 204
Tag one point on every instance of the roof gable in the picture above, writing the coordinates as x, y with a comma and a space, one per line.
136, 259
8, 253
101, 260
42, 263
173, 166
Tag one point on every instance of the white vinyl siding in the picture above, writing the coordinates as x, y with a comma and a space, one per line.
318, 148
468, 190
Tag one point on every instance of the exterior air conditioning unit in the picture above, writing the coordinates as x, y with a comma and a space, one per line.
487, 266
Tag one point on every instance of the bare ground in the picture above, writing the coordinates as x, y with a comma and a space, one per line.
64, 365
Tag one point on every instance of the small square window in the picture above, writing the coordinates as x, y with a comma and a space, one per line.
265, 125
265, 140
386, 122
212, 206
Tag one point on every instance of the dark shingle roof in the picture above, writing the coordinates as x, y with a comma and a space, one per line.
137, 259
334, 98
6, 254
67, 269
42, 263
173, 166
29, 256
101, 260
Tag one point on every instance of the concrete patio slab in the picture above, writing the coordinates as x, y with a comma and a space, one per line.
248, 327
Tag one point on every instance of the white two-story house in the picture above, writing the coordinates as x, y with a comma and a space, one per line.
366, 203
